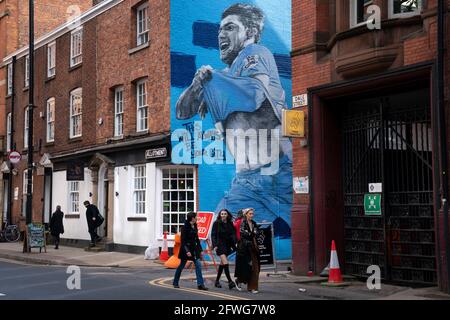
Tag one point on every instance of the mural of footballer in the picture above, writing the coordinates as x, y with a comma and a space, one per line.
247, 94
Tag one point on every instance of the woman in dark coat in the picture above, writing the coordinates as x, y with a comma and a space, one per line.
223, 237
56, 225
247, 255
190, 249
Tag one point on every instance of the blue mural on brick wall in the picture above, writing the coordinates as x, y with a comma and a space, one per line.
230, 81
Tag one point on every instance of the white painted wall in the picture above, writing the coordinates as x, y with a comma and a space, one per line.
136, 233
73, 228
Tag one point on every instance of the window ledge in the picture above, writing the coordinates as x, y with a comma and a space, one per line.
74, 67
25, 89
138, 133
139, 48
50, 144
8, 96
72, 216
75, 139
50, 78
137, 219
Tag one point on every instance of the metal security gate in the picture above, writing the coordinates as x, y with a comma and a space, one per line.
388, 140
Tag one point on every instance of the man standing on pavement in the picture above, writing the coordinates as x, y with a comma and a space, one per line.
56, 225
94, 220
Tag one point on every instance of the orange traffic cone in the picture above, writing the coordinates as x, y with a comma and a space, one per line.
174, 261
335, 277
164, 255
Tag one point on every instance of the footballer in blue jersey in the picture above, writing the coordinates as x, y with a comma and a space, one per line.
247, 98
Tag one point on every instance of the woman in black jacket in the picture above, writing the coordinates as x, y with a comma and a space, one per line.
247, 255
223, 237
190, 249
56, 225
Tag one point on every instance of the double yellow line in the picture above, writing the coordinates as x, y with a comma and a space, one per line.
162, 282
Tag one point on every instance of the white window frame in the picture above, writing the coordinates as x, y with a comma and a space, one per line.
354, 14
8, 131
73, 197
141, 108
25, 182
51, 59
25, 128
27, 71
140, 190
142, 25
76, 116
118, 112
393, 15
10, 79
170, 190
50, 120
76, 47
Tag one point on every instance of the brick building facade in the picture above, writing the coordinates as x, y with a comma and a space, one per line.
373, 117
14, 35
106, 105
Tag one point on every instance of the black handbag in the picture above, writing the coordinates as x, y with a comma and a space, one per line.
100, 220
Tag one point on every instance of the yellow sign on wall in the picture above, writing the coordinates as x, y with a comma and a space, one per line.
293, 123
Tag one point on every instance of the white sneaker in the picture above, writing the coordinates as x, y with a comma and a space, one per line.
238, 286
255, 291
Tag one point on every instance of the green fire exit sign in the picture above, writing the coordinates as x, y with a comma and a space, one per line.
372, 204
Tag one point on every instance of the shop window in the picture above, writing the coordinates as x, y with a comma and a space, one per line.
74, 197
140, 186
178, 197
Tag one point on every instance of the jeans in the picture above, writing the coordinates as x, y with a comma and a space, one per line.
198, 272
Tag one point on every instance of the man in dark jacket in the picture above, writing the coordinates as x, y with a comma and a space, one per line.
94, 220
190, 249
56, 225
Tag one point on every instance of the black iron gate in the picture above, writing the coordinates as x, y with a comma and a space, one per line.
389, 142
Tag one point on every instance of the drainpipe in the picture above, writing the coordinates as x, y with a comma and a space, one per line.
311, 249
12, 144
442, 9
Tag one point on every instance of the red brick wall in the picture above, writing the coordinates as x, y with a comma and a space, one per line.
116, 36
14, 31
313, 26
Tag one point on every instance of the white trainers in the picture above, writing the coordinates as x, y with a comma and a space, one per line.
238, 286
255, 291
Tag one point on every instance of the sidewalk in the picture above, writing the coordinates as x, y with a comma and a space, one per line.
74, 256
281, 280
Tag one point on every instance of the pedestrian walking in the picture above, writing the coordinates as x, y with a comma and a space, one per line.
247, 255
94, 220
191, 250
223, 237
56, 225
237, 224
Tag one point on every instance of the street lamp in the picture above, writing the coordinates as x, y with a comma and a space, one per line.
30, 113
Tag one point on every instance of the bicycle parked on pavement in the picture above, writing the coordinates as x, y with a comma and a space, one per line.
10, 233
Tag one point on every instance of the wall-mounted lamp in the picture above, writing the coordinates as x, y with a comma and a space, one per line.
90, 194
117, 194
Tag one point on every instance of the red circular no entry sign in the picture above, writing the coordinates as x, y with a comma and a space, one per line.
15, 157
